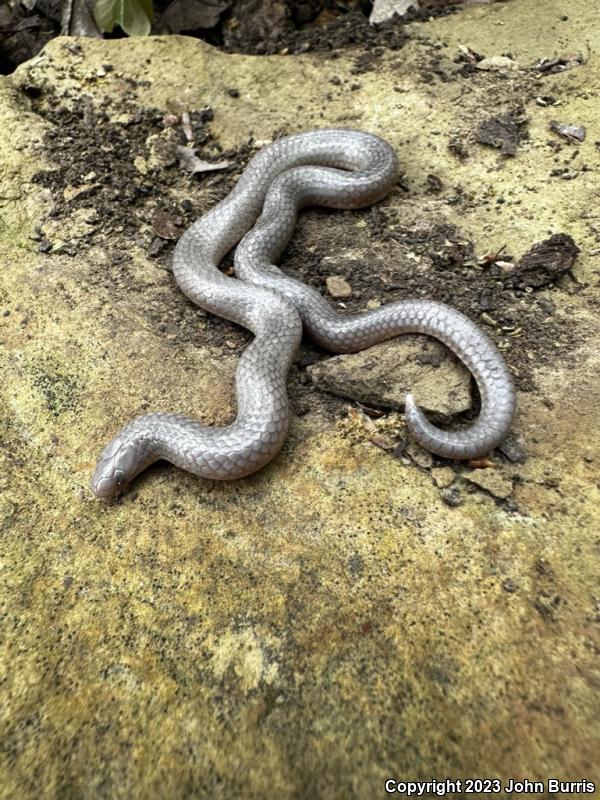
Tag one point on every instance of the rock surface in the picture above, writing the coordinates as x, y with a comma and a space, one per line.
443, 476
384, 374
334, 620
493, 483
338, 287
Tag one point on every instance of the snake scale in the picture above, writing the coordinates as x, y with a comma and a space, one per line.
332, 167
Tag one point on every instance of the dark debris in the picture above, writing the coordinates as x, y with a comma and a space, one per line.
505, 131
545, 263
550, 66
575, 134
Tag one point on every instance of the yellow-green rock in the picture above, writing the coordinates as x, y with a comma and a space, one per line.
330, 622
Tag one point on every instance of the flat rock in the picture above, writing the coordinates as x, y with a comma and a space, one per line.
419, 455
338, 287
497, 63
443, 476
491, 481
272, 637
384, 374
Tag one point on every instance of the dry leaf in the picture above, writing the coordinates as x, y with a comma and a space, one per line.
189, 162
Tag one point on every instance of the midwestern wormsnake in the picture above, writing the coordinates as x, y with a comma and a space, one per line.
332, 167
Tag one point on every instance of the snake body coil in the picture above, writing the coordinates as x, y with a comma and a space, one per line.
331, 167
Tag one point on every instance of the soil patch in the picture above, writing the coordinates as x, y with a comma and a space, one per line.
436, 261
102, 171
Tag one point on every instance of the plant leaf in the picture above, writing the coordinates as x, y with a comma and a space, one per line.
189, 162
134, 16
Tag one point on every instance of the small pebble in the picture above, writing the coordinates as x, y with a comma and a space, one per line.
443, 476
451, 496
490, 481
509, 585
496, 63
546, 305
512, 450
488, 320
338, 287
421, 457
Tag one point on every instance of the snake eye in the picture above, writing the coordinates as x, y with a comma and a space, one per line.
119, 478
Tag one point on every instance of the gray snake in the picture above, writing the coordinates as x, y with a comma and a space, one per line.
331, 167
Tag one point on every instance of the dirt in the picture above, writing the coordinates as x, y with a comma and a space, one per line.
276, 26
520, 319
340, 32
242, 26
96, 174
23, 31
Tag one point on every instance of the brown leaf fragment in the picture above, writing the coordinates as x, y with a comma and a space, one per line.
491, 256
358, 416
373, 413
481, 463
544, 263
382, 441
167, 226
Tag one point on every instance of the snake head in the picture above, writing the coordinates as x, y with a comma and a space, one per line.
116, 468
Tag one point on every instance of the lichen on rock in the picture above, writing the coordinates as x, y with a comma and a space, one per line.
339, 617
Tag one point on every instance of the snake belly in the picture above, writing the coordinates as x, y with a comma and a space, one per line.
338, 168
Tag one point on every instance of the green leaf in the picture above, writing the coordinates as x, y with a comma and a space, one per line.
134, 16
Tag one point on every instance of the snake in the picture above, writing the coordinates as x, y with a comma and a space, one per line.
332, 167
